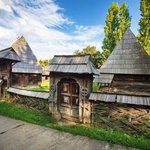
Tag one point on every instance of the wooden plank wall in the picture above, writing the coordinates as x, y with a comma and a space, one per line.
24, 79
132, 83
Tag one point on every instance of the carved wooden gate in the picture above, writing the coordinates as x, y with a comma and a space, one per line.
68, 96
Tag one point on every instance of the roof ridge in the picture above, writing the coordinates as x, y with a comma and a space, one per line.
82, 55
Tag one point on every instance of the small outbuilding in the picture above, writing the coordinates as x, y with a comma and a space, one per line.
28, 72
8, 58
126, 71
71, 79
123, 93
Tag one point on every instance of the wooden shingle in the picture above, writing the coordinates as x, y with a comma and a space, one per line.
128, 57
28, 62
73, 64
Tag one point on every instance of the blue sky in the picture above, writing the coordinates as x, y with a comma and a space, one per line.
54, 27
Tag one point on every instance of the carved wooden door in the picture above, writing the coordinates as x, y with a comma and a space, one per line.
69, 100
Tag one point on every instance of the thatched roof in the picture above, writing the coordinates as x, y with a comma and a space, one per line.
28, 62
9, 54
128, 57
79, 64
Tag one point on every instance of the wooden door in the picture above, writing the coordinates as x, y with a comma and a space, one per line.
69, 100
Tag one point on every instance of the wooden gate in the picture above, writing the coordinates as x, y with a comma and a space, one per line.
68, 97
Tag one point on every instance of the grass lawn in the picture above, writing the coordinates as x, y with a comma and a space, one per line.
113, 137
94, 87
44, 87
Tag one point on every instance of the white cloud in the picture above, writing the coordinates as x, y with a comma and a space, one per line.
4, 6
88, 32
41, 22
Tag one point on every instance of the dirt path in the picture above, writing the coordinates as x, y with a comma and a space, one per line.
19, 135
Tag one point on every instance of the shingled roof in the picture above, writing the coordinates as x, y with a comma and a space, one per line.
128, 57
80, 64
9, 54
28, 62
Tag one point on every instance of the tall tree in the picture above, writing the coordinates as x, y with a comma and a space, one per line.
110, 30
117, 21
124, 21
94, 53
144, 31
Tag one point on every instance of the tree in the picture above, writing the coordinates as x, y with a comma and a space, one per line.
96, 56
124, 21
144, 31
117, 22
44, 63
110, 30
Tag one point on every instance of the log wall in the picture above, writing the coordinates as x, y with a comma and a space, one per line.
24, 79
5, 76
129, 118
132, 83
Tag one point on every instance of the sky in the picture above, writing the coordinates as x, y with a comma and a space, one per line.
58, 27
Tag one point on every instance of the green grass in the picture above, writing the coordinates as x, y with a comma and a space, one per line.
113, 137
44, 87
110, 136
94, 87
25, 114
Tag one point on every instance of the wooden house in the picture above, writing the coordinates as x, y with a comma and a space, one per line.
71, 78
8, 57
28, 72
126, 71
123, 91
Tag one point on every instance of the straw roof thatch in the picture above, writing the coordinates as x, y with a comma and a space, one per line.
79, 64
28, 62
128, 57
9, 54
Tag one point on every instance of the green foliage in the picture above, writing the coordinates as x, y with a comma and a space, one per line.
144, 31
117, 21
110, 30
124, 21
44, 62
109, 135
96, 56
105, 55
94, 87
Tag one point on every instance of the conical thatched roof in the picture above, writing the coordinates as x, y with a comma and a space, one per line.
28, 62
128, 57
